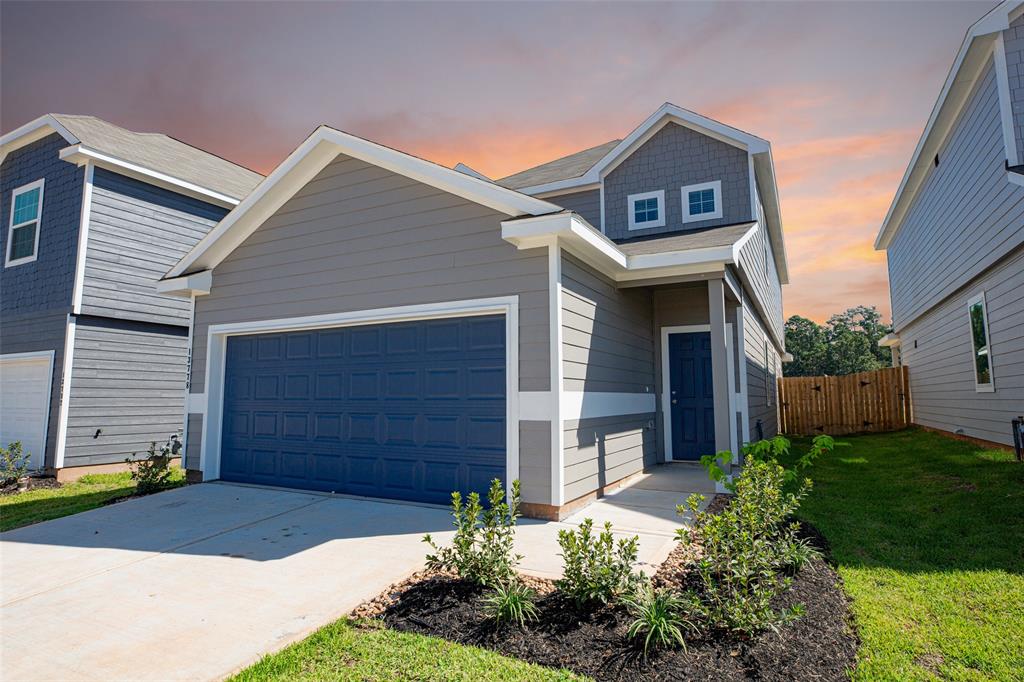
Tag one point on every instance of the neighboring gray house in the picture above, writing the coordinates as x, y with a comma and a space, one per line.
368, 322
93, 359
954, 238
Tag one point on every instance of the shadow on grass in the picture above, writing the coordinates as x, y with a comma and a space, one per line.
916, 501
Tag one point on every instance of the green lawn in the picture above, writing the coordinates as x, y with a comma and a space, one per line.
928, 533
86, 493
345, 651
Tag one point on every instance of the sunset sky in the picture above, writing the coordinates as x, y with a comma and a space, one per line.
842, 90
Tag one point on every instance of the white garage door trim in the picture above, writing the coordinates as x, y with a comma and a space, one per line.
216, 344
38, 458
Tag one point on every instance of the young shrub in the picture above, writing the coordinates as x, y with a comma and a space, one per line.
14, 463
481, 550
660, 616
511, 602
596, 569
747, 548
153, 473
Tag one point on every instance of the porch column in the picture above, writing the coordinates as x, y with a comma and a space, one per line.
719, 363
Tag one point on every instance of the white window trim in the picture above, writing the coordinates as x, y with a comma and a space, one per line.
990, 387
685, 193
631, 215
38, 220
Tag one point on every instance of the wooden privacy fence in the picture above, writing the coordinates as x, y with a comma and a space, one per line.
856, 403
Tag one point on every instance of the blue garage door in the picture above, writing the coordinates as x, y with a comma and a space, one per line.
410, 411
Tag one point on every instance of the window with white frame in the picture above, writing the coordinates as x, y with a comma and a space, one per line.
646, 210
23, 229
981, 346
702, 202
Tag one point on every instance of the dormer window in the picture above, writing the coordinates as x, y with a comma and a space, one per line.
646, 210
23, 230
702, 202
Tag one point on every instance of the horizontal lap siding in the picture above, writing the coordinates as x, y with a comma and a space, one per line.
608, 347
136, 234
758, 263
358, 237
762, 398
128, 382
602, 451
965, 217
941, 366
607, 333
535, 461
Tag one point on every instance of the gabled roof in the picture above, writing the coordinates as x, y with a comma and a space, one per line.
152, 156
983, 38
566, 168
568, 173
312, 156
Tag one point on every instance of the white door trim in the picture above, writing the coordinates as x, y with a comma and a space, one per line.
47, 355
217, 335
666, 400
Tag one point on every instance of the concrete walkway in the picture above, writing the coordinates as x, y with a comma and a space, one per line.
199, 582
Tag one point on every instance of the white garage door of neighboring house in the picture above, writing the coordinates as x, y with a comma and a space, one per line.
25, 401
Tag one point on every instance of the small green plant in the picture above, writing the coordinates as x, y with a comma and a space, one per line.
660, 617
596, 569
482, 549
747, 548
14, 464
153, 473
767, 450
511, 602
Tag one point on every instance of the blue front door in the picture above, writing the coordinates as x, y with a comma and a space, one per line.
410, 410
691, 395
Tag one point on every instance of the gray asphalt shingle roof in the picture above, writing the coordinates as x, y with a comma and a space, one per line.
572, 166
703, 239
158, 152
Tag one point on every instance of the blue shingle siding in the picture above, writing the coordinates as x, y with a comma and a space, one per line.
1013, 39
675, 157
46, 283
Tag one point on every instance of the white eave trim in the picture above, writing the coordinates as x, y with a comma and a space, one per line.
974, 52
80, 154
31, 132
889, 340
196, 284
312, 156
575, 235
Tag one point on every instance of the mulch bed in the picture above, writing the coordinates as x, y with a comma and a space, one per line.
34, 483
821, 645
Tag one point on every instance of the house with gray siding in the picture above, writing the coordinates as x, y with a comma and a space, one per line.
368, 322
954, 238
92, 358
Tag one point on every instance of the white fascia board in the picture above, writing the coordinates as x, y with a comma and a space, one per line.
312, 156
974, 51
80, 154
575, 235
196, 284
765, 168
32, 131
889, 340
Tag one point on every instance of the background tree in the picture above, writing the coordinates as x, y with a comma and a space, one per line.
847, 343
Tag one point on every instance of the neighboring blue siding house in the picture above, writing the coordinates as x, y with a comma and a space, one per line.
92, 359
954, 238
371, 323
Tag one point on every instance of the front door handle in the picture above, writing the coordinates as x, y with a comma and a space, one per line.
674, 401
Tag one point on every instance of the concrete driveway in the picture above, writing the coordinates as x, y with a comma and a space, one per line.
198, 582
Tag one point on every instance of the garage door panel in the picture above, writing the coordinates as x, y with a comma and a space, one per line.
25, 404
406, 410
